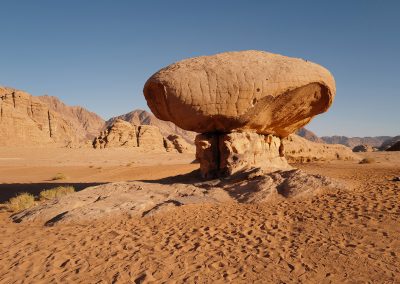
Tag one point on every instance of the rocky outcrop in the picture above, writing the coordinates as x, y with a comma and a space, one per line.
120, 134
142, 117
394, 147
87, 124
388, 143
363, 148
141, 199
42, 121
298, 149
150, 138
227, 154
176, 142
147, 137
243, 103
27, 121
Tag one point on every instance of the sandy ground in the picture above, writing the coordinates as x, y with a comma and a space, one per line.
32, 169
349, 237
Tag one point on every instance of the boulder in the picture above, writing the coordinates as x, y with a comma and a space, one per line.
243, 103
256, 90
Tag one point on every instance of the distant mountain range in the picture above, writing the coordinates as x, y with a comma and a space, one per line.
27, 120
383, 142
354, 141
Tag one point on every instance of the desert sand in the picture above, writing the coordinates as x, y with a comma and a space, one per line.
349, 236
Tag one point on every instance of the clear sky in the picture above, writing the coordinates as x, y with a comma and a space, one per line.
98, 54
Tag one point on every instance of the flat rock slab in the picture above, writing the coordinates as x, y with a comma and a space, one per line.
143, 199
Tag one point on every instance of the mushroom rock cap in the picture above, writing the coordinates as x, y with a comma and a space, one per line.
247, 90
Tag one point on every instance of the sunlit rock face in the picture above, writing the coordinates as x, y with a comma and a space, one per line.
240, 100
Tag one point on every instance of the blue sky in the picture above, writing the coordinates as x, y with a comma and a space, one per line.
98, 54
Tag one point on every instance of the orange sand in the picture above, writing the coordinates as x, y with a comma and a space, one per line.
352, 236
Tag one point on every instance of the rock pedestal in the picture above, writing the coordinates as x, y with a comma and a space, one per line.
224, 154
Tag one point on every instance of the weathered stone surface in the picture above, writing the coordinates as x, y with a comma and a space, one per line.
207, 153
86, 123
119, 134
26, 120
363, 148
298, 149
227, 154
168, 145
141, 199
179, 144
149, 137
142, 117
265, 92
244, 103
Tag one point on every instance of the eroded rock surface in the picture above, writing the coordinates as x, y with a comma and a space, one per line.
243, 102
176, 142
26, 120
269, 93
150, 137
141, 199
298, 149
147, 137
120, 134
142, 117
86, 123
227, 153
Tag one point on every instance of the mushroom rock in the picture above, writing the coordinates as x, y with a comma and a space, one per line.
242, 102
